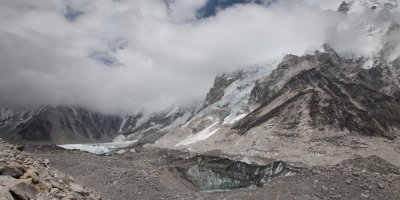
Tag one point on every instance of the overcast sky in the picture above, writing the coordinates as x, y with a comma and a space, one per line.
118, 56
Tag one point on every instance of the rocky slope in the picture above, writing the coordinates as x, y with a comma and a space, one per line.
322, 107
62, 124
309, 109
323, 91
222, 108
173, 175
23, 177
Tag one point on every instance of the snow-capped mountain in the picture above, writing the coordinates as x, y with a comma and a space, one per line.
226, 102
248, 99
311, 105
375, 68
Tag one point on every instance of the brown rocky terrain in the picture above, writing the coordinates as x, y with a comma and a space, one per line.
23, 177
148, 173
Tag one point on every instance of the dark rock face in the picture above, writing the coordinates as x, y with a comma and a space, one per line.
268, 87
36, 130
329, 92
220, 84
210, 173
344, 7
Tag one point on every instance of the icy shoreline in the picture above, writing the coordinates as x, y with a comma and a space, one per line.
99, 148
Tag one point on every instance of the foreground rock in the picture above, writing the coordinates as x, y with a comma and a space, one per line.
23, 177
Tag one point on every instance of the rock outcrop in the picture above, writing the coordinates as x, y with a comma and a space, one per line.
221, 82
344, 7
23, 177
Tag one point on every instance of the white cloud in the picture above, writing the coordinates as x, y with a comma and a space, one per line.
166, 55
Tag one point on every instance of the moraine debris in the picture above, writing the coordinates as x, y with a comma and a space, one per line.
24, 177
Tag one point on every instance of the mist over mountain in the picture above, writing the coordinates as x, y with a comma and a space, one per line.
122, 57
200, 99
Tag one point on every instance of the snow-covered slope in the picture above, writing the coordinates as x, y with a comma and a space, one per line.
360, 6
369, 21
234, 101
226, 103
149, 128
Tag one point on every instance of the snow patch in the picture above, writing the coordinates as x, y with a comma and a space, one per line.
246, 160
120, 138
233, 117
202, 135
237, 95
178, 122
123, 123
100, 148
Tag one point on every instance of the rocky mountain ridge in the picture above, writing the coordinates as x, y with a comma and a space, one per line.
66, 124
312, 109
57, 125
338, 93
226, 100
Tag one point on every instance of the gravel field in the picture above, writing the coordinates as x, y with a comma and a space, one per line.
147, 174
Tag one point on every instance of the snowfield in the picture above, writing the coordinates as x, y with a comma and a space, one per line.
99, 148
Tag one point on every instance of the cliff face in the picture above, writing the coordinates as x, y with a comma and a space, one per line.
319, 108
324, 91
